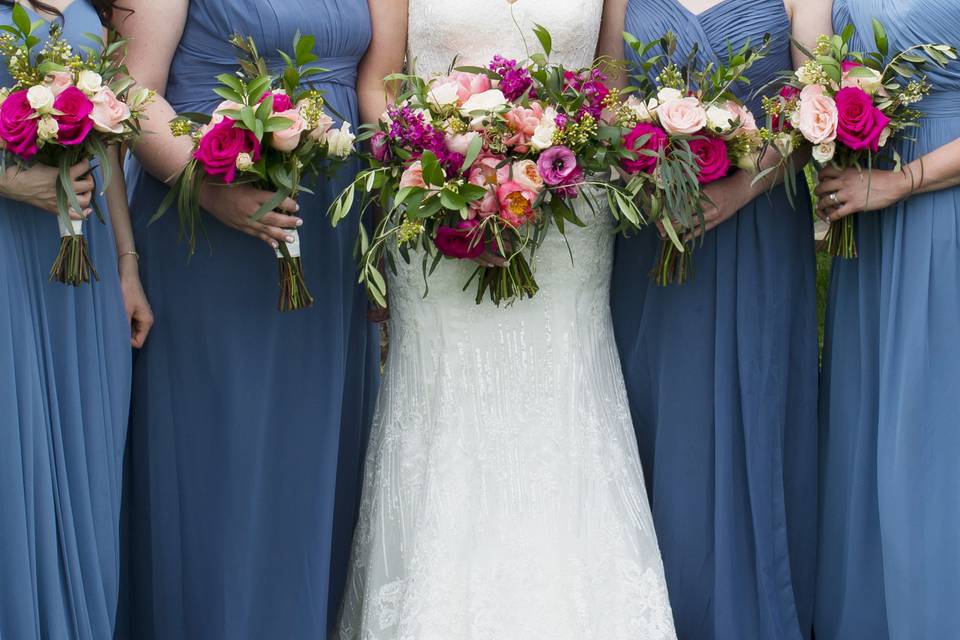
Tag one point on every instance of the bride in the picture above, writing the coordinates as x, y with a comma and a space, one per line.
503, 493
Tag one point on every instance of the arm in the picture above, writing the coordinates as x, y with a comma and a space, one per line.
154, 29
610, 45
857, 191
384, 57
809, 19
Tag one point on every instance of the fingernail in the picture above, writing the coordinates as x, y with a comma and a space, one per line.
297, 208
299, 222
290, 239
274, 245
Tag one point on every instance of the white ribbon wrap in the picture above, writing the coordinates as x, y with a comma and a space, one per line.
292, 247
75, 228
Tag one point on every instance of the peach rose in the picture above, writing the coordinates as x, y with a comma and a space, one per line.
527, 175
286, 140
413, 176
817, 115
470, 84
108, 113
58, 81
523, 122
748, 123
684, 116
324, 122
461, 142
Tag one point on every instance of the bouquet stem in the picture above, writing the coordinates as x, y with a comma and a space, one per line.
72, 265
510, 283
673, 266
293, 288
841, 240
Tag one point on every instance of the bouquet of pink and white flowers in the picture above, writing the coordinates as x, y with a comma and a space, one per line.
482, 161
686, 129
271, 131
850, 106
65, 108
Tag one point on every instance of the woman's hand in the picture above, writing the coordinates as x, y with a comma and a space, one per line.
37, 186
722, 200
139, 314
235, 206
845, 192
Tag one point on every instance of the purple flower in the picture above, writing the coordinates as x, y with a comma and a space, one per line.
515, 81
557, 166
592, 85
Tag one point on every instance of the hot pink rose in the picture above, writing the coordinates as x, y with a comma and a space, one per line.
523, 122
17, 128
380, 147
287, 139
656, 141
75, 123
58, 81
219, 148
412, 176
860, 124
281, 101
516, 203
685, 116
818, 115
108, 113
788, 93
462, 242
712, 158
470, 84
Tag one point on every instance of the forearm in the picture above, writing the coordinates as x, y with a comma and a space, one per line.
939, 169
161, 153
119, 209
373, 100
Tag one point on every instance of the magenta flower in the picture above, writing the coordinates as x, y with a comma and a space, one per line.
556, 165
17, 129
220, 147
75, 123
461, 242
281, 101
515, 80
380, 147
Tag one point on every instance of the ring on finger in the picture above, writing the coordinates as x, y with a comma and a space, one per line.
834, 198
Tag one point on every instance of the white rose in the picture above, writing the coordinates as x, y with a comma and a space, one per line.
804, 76
486, 101
643, 112
870, 80
667, 94
543, 135
340, 141
47, 129
719, 120
784, 144
443, 95
89, 82
244, 162
40, 98
823, 153
884, 137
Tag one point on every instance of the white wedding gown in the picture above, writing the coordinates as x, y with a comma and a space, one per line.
503, 493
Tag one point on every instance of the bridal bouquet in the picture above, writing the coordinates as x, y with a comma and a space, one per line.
850, 105
685, 129
480, 162
65, 107
270, 131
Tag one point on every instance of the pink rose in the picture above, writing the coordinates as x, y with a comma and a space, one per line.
523, 122
526, 174
380, 147
748, 123
712, 158
17, 128
286, 140
516, 203
58, 81
684, 116
488, 173
281, 101
324, 123
75, 123
656, 141
470, 84
462, 242
817, 115
412, 176
108, 113
859, 123
461, 142
221, 145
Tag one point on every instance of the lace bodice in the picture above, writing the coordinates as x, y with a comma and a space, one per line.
476, 30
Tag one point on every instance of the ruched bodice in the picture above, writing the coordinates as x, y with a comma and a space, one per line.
733, 22
341, 27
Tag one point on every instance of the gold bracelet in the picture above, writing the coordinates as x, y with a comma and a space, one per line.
129, 253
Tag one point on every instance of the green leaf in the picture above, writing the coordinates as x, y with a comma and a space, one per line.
451, 200
277, 123
303, 48
228, 94
271, 204
473, 150
21, 19
432, 171
264, 109
880, 37
544, 37
231, 81
248, 118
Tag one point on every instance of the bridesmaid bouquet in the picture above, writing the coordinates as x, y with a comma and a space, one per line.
685, 129
270, 131
483, 160
64, 108
850, 105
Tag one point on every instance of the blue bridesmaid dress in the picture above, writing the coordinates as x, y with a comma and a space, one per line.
240, 412
890, 409
721, 374
64, 401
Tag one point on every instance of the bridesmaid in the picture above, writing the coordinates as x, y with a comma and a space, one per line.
64, 391
238, 409
890, 512
722, 371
